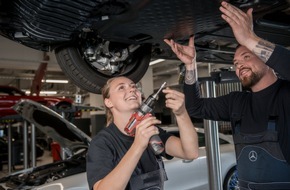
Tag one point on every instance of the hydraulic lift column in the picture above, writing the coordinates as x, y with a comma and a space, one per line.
212, 145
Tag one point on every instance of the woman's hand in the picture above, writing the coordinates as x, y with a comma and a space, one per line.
145, 130
175, 101
185, 147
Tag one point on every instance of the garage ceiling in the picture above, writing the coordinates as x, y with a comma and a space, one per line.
18, 65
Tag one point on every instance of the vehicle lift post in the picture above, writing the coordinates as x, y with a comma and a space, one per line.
212, 144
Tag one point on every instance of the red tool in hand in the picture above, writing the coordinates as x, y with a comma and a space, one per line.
142, 113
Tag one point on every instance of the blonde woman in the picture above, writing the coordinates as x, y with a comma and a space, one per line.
118, 161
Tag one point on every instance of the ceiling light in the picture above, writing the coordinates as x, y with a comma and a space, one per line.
156, 61
48, 92
43, 92
55, 81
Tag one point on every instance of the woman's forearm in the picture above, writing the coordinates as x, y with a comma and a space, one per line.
188, 136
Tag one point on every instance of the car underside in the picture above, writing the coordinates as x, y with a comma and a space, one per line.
96, 40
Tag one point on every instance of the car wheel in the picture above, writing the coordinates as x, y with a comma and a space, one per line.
231, 180
90, 66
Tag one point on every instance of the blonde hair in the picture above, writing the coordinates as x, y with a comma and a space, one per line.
106, 94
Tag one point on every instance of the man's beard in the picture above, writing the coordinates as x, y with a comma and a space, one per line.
250, 81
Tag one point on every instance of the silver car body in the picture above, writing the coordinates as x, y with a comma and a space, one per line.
193, 174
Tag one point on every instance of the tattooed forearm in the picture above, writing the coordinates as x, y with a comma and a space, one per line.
264, 50
190, 77
191, 72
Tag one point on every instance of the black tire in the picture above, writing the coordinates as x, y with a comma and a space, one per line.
231, 180
83, 75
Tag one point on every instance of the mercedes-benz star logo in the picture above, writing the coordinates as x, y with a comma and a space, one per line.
253, 156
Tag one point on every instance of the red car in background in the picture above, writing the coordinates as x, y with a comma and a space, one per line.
9, 96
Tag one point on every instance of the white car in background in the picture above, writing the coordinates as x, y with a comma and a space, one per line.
193, 174
70, 174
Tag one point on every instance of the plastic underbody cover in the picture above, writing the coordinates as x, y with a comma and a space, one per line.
139, 21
